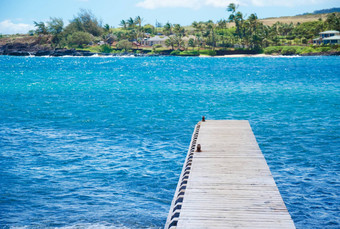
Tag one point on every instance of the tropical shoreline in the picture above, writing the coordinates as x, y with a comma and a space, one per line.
27, 51
101, 55
86, 36
239, 55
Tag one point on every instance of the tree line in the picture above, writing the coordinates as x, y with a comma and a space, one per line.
235, 30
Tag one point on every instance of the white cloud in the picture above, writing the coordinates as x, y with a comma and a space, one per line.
8, 27
193, 4
197, 4
153, 4
287, 3
219, 3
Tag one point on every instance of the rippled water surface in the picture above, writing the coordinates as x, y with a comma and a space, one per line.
100, 142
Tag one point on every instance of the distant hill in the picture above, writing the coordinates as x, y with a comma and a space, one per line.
294, 19
306, 17
324, 11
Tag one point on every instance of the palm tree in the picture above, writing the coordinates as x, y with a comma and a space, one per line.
131, 23
171, 41
253, 22
236, 17
192, 43
210, 25
222, 25
252, 30
157, 25
178, 41
123, 23
201, 27
198, 40
195, 25
167, 29
106, 28
138, 21
179, 30
232, 8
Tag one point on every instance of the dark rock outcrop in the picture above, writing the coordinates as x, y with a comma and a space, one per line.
236, 52
43, 53
335, 53
20, 49
85, 53
17, 53
64, 52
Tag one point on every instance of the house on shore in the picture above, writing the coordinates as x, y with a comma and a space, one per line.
187, 38
328, 37
156, 40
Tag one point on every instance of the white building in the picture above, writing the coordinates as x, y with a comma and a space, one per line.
328, 37
156, 40
332, 40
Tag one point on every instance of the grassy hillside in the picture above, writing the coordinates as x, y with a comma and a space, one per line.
294, 19
287, 19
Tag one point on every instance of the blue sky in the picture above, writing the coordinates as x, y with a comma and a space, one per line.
17, 16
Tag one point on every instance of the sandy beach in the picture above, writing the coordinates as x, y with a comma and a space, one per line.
238, 55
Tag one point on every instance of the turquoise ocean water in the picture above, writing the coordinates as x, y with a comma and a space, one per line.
100, 142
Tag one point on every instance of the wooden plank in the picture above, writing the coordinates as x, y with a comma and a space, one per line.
228, 184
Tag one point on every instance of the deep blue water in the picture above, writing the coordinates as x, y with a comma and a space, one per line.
100, 142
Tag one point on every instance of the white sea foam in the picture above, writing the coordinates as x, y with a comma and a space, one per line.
282, 56
77, 226
127, 56
93, 226
69, 56
93, 56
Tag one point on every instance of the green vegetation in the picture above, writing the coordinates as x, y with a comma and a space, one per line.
297, 50
289, 50
175, 53
55, 27
185, 53
95, 49
235, 32
124, 45
78, 39
273, 50
85, 22
208, 52
105, 48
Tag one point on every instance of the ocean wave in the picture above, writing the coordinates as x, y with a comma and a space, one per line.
91, 142
75, 226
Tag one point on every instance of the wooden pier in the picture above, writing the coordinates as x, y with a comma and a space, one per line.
228, 183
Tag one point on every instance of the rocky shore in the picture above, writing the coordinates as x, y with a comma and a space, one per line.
20, 49
331, 53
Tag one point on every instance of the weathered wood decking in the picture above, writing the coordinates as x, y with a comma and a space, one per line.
228, 184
